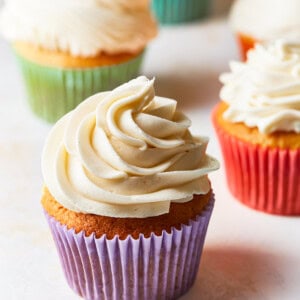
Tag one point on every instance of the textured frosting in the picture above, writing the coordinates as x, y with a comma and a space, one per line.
266, 19
264, 92
125, 153
80, 27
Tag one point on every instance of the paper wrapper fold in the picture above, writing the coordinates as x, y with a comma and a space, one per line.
158, 267
53, 92
262, 178
179, 11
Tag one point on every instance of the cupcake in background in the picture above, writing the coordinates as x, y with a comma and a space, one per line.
127, 196
180, 11
264, 21
71, 49
258, 125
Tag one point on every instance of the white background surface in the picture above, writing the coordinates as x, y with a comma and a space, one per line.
247, 255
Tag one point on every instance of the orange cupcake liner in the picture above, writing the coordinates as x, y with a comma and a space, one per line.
245, 44
262, 178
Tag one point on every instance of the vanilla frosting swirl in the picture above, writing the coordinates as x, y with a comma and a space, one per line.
80, 27
266, 20
264, 92
125, 153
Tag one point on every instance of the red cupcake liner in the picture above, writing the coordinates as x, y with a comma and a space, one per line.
266, 179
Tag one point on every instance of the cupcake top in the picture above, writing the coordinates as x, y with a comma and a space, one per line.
266, 19
125, 153
264, 91
83, 28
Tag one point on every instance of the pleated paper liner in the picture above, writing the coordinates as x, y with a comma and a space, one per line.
158, 267
262, 178
53, 92
179, 11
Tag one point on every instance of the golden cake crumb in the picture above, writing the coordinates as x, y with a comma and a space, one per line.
280, 139
60, 59
180, 213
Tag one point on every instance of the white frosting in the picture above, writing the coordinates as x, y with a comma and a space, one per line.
266, 19
125, 153
80, 27
264, 92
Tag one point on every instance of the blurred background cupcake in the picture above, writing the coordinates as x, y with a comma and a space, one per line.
170, 12
180, 11
258, 125
127, 195
71, 49
264, 20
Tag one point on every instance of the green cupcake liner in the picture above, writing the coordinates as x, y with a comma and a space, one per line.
52, 92
179, 11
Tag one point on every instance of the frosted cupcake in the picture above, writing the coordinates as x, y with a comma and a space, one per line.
258, 124
260, 21
180, 11
71, 49
127, 195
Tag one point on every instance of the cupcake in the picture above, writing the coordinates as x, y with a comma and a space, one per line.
127, 196
258, 125
180, 11
71, 49
264, 21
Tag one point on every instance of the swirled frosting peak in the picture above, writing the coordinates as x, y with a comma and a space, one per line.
83, 28
264, 92
125, 153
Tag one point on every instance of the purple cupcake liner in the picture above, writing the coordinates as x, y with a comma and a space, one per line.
157, 267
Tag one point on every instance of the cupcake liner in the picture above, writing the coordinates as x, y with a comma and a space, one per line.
245, 44
262, 178
52, 92
179, 11
158, 267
